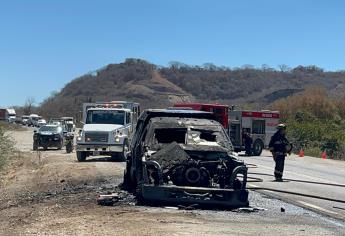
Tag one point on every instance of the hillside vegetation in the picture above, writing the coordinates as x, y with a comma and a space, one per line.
316, 122
311, 100
157, 87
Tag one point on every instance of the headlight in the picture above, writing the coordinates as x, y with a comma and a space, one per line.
80, 136
117, 139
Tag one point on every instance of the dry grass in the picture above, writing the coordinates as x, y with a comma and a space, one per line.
6, 145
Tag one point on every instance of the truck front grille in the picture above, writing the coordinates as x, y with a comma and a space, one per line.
98, 137
46, 138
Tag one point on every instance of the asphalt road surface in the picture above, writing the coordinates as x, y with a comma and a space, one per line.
306, 175
50, 193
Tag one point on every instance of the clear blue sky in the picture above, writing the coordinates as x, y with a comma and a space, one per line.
45, 44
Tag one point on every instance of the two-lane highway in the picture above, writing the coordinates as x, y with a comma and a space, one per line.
305, 175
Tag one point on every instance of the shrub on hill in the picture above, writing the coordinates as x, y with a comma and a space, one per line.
315, 122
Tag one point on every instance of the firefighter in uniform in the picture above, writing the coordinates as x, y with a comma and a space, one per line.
247, 139
279, 146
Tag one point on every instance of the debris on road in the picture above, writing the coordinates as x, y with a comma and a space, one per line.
117, 197
108, 199
249, 209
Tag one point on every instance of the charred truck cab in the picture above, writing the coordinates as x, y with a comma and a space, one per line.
184, 157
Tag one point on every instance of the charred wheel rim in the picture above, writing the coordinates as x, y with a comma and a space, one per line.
193, 175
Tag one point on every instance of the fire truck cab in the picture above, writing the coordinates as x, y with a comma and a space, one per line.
261, 125
220, 111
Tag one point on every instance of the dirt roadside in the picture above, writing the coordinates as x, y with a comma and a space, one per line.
52, 194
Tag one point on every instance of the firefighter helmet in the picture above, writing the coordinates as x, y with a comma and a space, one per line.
281, 126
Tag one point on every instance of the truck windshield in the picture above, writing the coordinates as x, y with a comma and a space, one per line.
105, 117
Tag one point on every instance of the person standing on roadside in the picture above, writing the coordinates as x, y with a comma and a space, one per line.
279, 147
247, 139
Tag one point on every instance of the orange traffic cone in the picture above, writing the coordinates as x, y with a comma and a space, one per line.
324, 155
301, 153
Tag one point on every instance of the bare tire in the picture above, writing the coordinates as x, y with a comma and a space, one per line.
127, 180
69, 147
139, 194
35, 146
81, 156
257, 147
122, 156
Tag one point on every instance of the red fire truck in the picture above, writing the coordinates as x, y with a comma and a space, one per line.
220, 111
261, 125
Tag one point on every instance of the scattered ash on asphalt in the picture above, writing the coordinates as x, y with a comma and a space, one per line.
108, 193
260, 205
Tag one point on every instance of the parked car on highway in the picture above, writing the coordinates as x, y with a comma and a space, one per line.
49, 136
69, 121
25, 120
33, 118
41, 122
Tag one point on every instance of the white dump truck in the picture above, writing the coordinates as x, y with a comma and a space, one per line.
107, 127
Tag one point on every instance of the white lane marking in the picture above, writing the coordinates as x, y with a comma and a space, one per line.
317, 207
302, 175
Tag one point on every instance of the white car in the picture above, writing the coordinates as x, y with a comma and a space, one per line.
41, 122
25, 121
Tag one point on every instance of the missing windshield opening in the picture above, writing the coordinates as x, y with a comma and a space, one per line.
170, 135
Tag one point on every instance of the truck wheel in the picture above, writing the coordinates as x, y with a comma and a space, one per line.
127, 180
81, 156
69, 147
35, 146
257, 147
123, 155
139, 194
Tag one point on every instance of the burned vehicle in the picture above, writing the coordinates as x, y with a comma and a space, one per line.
184, 157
